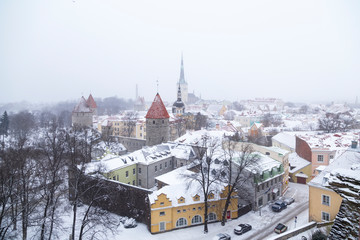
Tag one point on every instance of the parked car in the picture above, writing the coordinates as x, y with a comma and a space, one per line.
242, 228
222, 236
278, 206
289, 200
280, 228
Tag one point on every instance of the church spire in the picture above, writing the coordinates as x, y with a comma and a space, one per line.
179, 93
182, 76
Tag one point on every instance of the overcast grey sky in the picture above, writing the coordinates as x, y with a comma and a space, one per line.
301, 50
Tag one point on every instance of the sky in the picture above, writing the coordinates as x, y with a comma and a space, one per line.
298, 50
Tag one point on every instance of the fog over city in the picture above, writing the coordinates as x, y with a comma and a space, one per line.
298, 51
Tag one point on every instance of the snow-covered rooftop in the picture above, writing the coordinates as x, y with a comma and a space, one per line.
286, 139
146, 155
346, 164
332, 141
296, 162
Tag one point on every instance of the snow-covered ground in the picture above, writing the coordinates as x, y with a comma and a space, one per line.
261, 224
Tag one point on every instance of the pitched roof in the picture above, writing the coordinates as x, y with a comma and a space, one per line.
157, 109
91, 102
82, 106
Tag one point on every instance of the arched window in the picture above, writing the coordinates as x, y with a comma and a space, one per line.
181, 222
196, 219
212, 217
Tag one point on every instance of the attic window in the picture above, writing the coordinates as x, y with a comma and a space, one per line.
162, 203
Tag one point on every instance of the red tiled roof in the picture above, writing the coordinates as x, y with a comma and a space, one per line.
157, 109
82, 106
91, 102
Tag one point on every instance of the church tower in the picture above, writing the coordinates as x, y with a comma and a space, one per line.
178, 107
157, 123
182, 83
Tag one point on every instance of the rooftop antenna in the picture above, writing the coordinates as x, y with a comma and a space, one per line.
157, 86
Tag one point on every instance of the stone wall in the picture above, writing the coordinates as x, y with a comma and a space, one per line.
131, 144
157, 131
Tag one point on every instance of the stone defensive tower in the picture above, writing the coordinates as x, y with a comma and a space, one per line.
157, 123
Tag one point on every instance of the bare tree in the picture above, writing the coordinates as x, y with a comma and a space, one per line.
235, 162
52, 166
269, 120
22, 126
130, 119
206, 149
332, 122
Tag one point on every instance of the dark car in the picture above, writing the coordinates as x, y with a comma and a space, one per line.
242, 228
280, 228
222, 236
278, 206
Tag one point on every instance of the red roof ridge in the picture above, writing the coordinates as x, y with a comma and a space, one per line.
91, 102
157, 109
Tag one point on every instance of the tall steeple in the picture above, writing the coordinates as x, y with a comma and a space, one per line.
179, 93
182, 83
182, 75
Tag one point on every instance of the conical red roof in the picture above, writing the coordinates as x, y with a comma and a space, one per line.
91, 102
157, 109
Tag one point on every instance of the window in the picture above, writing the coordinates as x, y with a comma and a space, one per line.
153, 121
134, 182
199, 208
129, 183
178, 211
162, 226
140, 182
140, 134
162, 203
162, 213
268, 197
139, 169
262, 186
320, 158
196, 219
275, 180
331, 157
194, 209
117, 177
114, 177
133, 171
127, 173
162, 121
325, 200
155, 168
272, 182
258, 188
181, 222
325, 216
267, 184
160, 166
165, 164
212, 217
260, 202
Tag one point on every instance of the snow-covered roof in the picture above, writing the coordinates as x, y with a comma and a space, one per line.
264, 163
296, 162
277, 150
193, 137
331, 141
146, 155
286, 139
185, 188
174, 177
300, 174
346, 164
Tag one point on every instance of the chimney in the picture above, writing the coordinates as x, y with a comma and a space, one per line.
354, 144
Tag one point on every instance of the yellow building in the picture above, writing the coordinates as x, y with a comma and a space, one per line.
177, 206
140, 130
300, 169
324, 203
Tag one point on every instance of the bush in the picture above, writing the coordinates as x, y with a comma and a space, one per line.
318, 235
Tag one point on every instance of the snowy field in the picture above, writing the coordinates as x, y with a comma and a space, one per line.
262, 225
